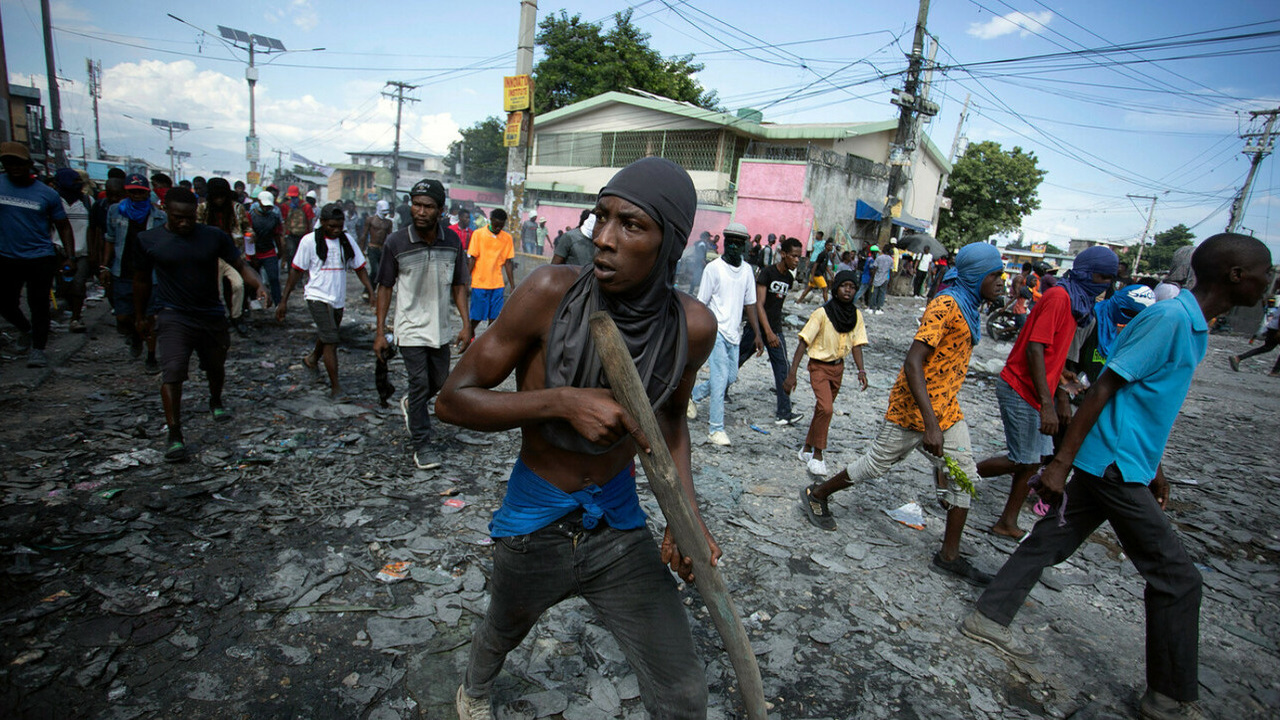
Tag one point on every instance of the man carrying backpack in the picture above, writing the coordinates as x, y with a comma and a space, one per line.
268, 229
295, 224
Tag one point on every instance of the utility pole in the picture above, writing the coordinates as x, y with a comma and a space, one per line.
279, 163
1258, 149
400, 99
6, 132
909, 104
517, 156
95, 91
951, 158
58, 143
1151, 218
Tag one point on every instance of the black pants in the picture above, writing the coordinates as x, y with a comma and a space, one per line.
917, 284
778, 361
427, 368
36, 275
1269, 343
1173, 582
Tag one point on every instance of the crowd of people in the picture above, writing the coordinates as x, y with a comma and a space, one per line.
1092, 385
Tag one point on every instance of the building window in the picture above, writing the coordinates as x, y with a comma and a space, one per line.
413, 165
691, 149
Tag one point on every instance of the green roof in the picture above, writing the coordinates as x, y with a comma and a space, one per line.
763, 131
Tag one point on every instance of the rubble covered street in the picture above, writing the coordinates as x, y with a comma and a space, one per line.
299, 566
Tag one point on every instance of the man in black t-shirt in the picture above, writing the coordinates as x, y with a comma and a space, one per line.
191, 317
773, 282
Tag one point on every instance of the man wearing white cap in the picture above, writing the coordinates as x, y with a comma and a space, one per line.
728, 287
376, 230
529, 234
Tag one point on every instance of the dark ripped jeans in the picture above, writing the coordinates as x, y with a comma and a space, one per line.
619, 573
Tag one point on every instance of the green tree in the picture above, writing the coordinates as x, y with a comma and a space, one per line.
485, 159
991, 190
1159, 257
582, 60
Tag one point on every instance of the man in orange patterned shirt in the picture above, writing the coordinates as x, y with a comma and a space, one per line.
924, 405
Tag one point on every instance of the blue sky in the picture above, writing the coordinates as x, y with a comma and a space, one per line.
1167, 128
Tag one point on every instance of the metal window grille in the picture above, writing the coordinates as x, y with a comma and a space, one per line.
691, 149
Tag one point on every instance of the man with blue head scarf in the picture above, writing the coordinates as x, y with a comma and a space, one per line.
1032, 405
1094, 341
924, 404
571, 522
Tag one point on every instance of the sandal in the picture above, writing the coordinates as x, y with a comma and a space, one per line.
177, 451
816, 510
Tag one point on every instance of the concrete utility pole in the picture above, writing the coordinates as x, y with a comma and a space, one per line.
400, 99
517, 157
95, 91
1258, 149
951, 158
909, 104
1151, 219
6, 132
55, 102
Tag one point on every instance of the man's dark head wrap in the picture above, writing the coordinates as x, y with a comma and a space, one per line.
1079, 280
650, 319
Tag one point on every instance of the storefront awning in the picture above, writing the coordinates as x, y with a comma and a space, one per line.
909, 222
866, 211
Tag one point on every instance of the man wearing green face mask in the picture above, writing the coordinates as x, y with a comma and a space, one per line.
728, 287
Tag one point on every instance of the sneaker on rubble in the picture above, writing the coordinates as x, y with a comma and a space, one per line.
719, 437
983, 629
1155, 706
37, 359
817, 467
470, 708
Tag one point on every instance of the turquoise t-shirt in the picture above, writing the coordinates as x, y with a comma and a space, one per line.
1157, 353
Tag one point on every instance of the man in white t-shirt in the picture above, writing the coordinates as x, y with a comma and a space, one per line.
326, 255
922, 272
728, 287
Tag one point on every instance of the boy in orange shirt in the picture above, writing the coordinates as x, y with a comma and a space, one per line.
924, 405
490, 254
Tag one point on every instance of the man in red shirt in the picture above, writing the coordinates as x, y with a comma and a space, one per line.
1032, 405
463, 228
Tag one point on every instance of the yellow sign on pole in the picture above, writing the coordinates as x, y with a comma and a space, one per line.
253, 178
1038, 248
517, 92
511, 138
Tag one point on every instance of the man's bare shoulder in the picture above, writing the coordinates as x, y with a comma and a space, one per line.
702, 327
551, 281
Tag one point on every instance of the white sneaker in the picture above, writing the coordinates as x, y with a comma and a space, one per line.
470, 708
719, 437
691, 412
817, 467
804, 455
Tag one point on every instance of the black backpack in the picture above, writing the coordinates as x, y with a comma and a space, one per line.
264, 226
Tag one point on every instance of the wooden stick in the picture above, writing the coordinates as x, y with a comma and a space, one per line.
664, 481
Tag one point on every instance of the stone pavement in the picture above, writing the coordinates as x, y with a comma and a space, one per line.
260, 579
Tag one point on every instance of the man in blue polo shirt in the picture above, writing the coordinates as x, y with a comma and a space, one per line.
1115, 442
28, 258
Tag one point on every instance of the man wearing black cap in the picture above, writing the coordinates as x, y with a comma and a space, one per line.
425, 264
571, 522
28, 257
125, 220
190, 316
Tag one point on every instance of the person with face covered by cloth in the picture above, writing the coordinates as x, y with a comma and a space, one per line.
1032, 404
834, 330
924, 405
728, 289
571, 522
125, 220
326, 255
1093, 342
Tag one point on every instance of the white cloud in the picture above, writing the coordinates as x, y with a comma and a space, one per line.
1019, 22
63, 12
303, 14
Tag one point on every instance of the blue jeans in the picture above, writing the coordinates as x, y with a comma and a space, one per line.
877, 297
777, 360
374, 256
618, 573
724, 370
271, 273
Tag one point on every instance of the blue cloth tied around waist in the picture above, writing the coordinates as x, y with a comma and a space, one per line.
532, 503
